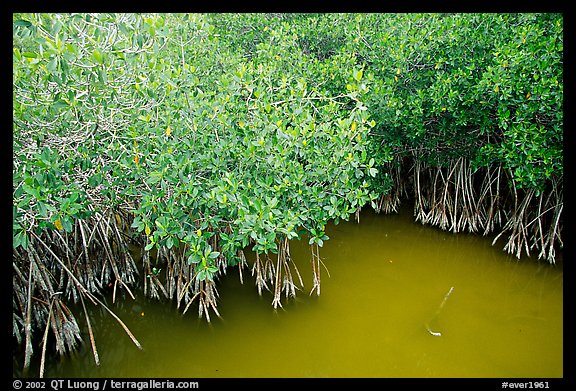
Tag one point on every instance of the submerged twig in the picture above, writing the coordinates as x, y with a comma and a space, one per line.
427, 324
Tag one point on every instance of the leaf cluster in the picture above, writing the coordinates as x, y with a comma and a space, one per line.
209, 149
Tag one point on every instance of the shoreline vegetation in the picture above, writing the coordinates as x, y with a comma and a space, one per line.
196, 137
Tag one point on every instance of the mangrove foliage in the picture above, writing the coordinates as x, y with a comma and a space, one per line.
197, 137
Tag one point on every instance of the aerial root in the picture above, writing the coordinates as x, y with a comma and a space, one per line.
316, 262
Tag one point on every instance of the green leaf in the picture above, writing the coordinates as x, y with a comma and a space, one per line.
169, 243
56, 28
137, 222
102, 76
30, 190
193, 259
20, 239
95, 180
22, 22
24, 240
97, 55
59, 104
52, 64
42, 209
16, 240
66, 224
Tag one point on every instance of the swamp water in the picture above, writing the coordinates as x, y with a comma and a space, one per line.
402, 300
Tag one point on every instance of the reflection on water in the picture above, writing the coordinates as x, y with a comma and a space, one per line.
388, 277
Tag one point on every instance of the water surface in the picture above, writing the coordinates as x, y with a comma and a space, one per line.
375, 317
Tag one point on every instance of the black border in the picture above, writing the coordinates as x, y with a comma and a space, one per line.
567, 382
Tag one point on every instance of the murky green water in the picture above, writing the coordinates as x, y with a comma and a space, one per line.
388, 278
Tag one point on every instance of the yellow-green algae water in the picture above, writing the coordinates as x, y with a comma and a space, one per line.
392, 285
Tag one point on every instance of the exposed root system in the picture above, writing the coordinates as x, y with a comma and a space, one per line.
456, 199
59, 268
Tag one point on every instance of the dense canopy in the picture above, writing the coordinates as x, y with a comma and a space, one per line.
198, 136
